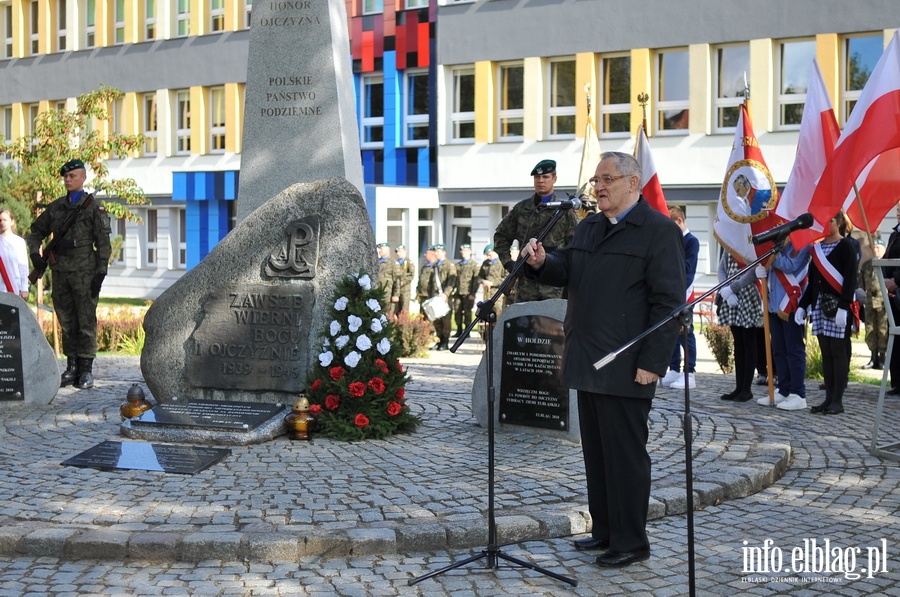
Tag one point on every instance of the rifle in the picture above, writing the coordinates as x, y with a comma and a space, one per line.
49, 252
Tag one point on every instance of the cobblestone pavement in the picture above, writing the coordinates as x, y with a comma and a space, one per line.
370, 517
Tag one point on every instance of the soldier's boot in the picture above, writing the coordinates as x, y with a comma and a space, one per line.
85, 374
70, 375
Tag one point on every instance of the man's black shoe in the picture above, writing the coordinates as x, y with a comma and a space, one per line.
590, 543
893, 391
617, 559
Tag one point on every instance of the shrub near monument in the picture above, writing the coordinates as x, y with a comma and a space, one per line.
357, 388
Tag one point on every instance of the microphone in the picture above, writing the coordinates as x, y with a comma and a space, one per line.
779, 233
570, 203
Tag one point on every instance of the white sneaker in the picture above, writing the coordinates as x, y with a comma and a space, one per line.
764, 401
669, 378
678, 384
793, 402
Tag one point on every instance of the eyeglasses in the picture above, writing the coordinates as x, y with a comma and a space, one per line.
606, 179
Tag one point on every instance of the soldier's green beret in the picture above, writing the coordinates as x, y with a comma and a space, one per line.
489, 248
379, 245
466, 246
544, 167
439, 247
71, 165
398, 247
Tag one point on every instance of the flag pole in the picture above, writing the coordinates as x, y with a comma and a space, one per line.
643, 99
862, 211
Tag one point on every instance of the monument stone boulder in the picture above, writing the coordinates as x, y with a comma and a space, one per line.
243, 324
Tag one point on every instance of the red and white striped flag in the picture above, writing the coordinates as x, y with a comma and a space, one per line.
819, 131
650, 187
866, 152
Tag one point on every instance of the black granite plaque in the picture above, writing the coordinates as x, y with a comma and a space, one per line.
252, 338
148, 457
12, 378
531, 392
213, 415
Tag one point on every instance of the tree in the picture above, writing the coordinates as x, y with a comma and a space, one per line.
59, 136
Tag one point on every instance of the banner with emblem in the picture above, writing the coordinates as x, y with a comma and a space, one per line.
748, 198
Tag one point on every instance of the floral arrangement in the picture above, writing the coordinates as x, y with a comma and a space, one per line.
357, 388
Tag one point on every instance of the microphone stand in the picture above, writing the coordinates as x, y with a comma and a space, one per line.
685, 316
485, 312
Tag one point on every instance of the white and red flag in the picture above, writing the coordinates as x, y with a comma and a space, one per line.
748, 198
819, 131
867, 154
650, 187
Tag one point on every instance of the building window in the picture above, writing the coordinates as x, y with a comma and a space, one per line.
117, 116
861, 54
415, 116
217, 120
561, 107
183, 18
149, 19
248, 9
732, 72
615, 96
6, 126
151, 232
462, 117
7, 31
416, 4
119, 30
90, 20
793, 76
217, 15
33, 111
34, 35
183, 123
511, 112
149, 124
61, 26
373, 6
372, 111
180, 243
672, 99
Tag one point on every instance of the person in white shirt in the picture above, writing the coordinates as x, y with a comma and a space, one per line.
14, 254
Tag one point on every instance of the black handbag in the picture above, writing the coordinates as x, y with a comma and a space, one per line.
829, 304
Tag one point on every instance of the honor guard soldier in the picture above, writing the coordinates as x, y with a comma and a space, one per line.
78, 256
467, 285
385, 275
404, 273
524, 221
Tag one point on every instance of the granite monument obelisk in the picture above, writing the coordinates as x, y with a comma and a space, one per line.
300, 120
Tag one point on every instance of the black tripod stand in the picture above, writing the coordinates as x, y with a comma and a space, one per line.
485, 312
684, 316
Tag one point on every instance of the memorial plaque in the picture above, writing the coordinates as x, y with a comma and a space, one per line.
252, 337
209, 414
531, 391
12, 378
148, 457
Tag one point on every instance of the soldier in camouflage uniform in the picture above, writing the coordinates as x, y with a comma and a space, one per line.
876, 316
490, 276
386, 267
467, 285
446, 273
525, 221
81, 262
404, 272
425, 274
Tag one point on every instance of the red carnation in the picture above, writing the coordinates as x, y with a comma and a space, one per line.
315, 408
394, 408
361, 420
381, 365
400, 394
336, 373
399, 367
315, 385
332, 401
357, 389
376, 385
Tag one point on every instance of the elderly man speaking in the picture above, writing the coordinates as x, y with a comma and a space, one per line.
624, 270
